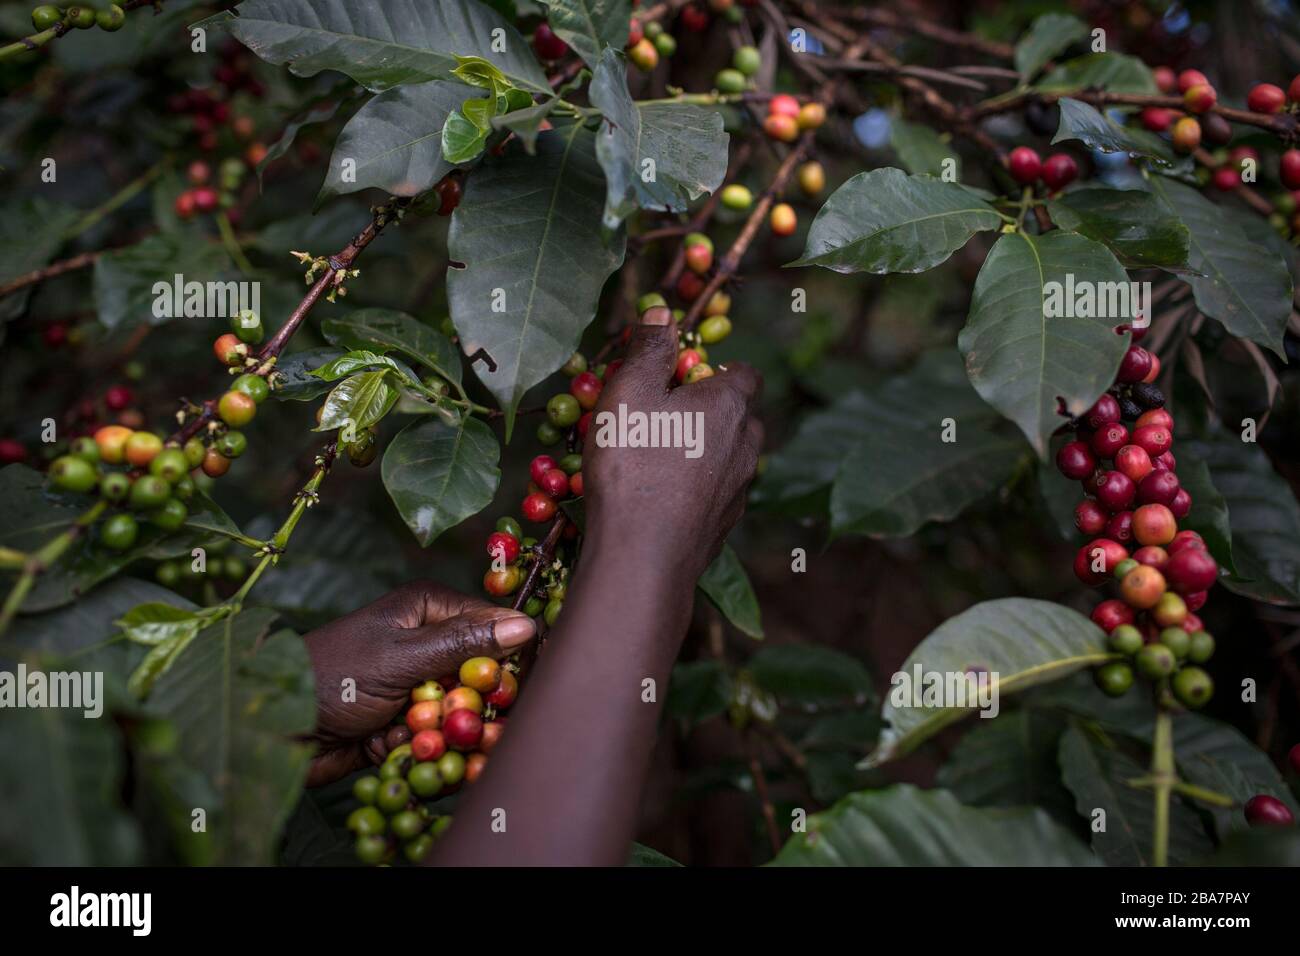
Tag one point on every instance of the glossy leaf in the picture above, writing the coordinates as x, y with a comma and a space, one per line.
727, 585
1023, 361
380, 43
1018, 642
241, 703
810, 674
922, 151
1047, 37
589, 26
533, 259
394, 142
1096, 130
886, 221
359, 401
155, 622
905, 826
31, 232
655, 155
526, 123
438, 475
1131, 223
1263, 513
124, 278
294, 381
386, 329
1113, 72
1243, 284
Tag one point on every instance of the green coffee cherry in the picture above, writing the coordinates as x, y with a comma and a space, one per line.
184, 489
46, 16
69, 473
666, 44
82, 16
1177, 640
1193, 687
1126, 639
170, 464
407, 824
548, 434
148, 492
366, 821
747, 60
254, 386
112, 19
553, 608
423, 779
169, 516
730, 81
168, 574
736, 196
86, 449
576, 365
114, 486
232, 444
416, 850
365, 789
1154, 661
563, 410
1114, 678
714, 329
510, 526
1202, 647
534, 606
571, 463
247, 326
649, 301
372, 849
119, 532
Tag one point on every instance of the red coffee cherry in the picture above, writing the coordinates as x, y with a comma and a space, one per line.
1134, 462
1152, 556
539, 466
426, 715
1100, 551
538, 508
1111, 614
1108, 440
1265, 98
1196, 600
463, 729
1024, 165
1120, 527
1142, 587
503, 545
1115, 491
1289, 169
118, 397
1191, 570
492, 731
1158, 119
1090, 517
1165, 462
505, 692
1059, 171
1104, 411
1155, 416
1226, 179
428, 745
1186, 134
1076, 461
783, 104
585, 387
1181, 506
547, 44
1166, 79
1186, 539
1159, 487
1153, 439
1154, 525
1189, 78
555, 483
1135, 364
1263, 810
1200, 98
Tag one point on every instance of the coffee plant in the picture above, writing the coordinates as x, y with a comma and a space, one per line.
243, 243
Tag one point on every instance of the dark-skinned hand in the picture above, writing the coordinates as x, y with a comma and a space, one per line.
421, 631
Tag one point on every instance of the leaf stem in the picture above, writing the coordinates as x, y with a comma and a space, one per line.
1162, 770
117, 200
39, 561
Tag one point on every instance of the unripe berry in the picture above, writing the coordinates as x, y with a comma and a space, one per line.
1126, 639
645, 55
686, 360
1154, 525
1186, 134
736, 196
783, 219
1024, 165
701, 370
426, 715
1265, 98
811, 115
563, 410
747, 60
699, 259
481, 673
1170, 610
1114, 678
503, 582
1142, 587
462, 698
70, 473
141, 448
492, 731
1193, 687
236, 409
229, 350
729, 81
215, 464
111, 440
812, 178
1154, 661
778, 126
1200, 98
714, 329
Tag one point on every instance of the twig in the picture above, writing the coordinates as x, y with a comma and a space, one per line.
764, 797
542, 555
49, 272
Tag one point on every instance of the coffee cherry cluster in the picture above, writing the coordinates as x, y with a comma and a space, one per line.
441, 743
181, 575
1121, 453
203, 196
80, 16
1057, 172
786, 118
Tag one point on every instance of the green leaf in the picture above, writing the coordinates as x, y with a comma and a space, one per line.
294, 381
526, 123
1265, 846
476, 71
1097, 775
1112, 72
921, 150
388, 329
380, 43
1209, 514
1263, 513
1010, 761
438, 475
1022, 360
1048, 36
151, 624
395, 141
810, 674
1243, 284
480, 112
361, 401
124, 278
1219, 757
589, 26
31, 232
648, 856
1141, 231
905, 826
1098, 131
353, 362
320, 110
727, 585
1059, 497
886, 221
462, 140
811, 460
698, 690
1018, 642
242, 702
905, 470
527, 239
655, 155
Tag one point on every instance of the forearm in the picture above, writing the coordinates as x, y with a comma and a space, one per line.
569, 773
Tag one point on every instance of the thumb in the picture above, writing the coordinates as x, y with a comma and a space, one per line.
652, 351
438, 650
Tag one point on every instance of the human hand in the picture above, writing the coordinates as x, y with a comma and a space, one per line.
678, 501
416, 633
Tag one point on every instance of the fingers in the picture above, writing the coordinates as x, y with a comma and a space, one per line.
740, 377
419, 603
651, 353
438, 649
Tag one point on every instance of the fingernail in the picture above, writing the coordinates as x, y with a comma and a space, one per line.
510, 632
657, 315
